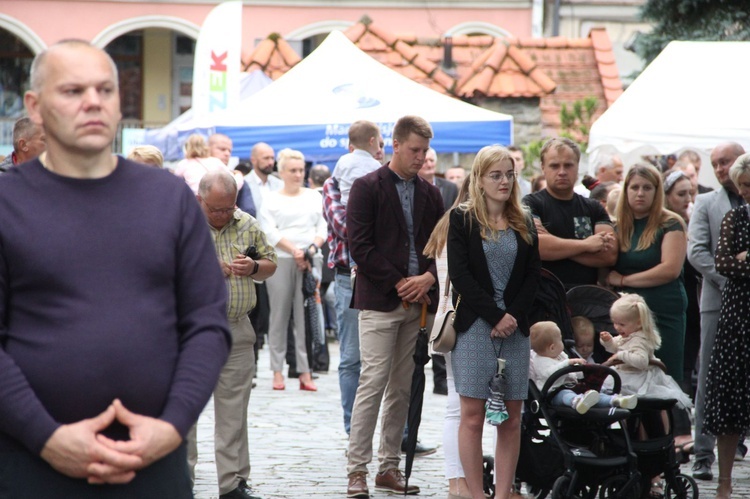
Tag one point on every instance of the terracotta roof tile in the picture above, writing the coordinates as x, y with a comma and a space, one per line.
556, 70
286, 51
371, 43
423, 64
444, 80
546, 84
407, 51
608, 71
605, 57
274, 56
556, 42
409, 38
388, 38
600, 39
612, 94
262, 52
478, 83
355, 31
524, 62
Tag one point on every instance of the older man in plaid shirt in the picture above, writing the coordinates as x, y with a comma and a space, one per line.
245, 256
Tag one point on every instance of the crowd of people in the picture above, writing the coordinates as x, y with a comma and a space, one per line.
130, 294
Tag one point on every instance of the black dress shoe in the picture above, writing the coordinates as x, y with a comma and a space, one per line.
702, 470
243, 491
420, 450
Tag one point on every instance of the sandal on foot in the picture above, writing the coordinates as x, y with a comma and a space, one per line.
657, 491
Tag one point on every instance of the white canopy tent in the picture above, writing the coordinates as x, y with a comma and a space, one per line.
692, 96
311, 107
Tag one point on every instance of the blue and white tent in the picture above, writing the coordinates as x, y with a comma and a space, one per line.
311, 107
167, 139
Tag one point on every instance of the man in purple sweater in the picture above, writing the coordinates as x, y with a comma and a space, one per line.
113, 324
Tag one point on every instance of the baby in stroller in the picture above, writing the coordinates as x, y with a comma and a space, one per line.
548, 356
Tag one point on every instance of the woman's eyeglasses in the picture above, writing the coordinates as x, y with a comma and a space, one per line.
497, 176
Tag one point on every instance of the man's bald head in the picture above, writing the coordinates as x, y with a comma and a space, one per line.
723, 157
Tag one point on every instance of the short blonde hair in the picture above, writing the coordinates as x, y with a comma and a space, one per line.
740, 167
543, 334
196, 147
285, 155
147, 155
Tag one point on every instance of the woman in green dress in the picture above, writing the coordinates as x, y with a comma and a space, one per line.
653, 244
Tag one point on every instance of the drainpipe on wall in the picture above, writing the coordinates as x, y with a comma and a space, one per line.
537, 18
556, 19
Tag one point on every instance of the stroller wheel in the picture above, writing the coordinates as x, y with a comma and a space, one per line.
562, 489
682, 487
620, 487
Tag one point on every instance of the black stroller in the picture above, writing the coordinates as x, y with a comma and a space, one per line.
577, 456
653, 442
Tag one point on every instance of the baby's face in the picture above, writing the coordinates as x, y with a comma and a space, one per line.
556, 348
584, 345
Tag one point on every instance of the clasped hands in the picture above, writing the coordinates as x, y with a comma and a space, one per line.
505, 327
80, 450
414, 289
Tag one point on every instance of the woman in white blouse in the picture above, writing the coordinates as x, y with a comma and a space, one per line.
292, 219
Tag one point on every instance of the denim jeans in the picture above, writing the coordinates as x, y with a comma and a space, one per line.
348, 332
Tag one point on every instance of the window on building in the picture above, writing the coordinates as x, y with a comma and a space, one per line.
127, 52
15, 64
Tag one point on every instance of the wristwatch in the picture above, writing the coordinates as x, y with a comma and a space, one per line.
255, 269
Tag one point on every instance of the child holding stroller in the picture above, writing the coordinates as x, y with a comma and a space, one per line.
548, 356
633, 350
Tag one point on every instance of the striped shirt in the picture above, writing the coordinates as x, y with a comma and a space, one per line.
234, 239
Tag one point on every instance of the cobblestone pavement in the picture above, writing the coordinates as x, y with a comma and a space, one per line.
297, 444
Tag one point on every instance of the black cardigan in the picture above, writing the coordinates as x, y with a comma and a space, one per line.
470, 275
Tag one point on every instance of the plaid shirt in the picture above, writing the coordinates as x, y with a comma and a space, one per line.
335, 214
233, 239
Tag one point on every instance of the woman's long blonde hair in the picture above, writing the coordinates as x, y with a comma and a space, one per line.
658, 215
633, 306
517, 215
439, 237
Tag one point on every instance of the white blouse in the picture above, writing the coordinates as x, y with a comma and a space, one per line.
296, 218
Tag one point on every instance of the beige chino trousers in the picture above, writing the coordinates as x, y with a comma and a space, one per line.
231, 399
386, 342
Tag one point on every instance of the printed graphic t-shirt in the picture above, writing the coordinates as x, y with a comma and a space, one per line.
572, 219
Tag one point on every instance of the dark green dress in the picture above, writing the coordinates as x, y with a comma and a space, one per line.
668, 301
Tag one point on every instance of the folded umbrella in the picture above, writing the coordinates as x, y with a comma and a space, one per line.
495, 410
416, 398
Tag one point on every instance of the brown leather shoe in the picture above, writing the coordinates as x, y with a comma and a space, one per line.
393, 481
358, 485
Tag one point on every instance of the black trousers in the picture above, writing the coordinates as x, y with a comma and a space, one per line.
25, 475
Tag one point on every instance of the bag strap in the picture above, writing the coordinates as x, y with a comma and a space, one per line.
446, 295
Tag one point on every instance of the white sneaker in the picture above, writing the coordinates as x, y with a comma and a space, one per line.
625, 401
583, 402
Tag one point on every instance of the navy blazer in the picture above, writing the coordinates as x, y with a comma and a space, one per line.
470, 275
379, 240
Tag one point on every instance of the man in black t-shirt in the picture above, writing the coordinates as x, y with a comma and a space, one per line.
575, 233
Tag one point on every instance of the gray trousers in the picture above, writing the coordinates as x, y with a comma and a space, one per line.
285, 298
231, 399
704, 444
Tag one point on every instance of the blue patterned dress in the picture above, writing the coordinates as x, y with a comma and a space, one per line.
473, 359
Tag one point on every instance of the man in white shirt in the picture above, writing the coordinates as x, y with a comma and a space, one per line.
261, 182
260, 179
